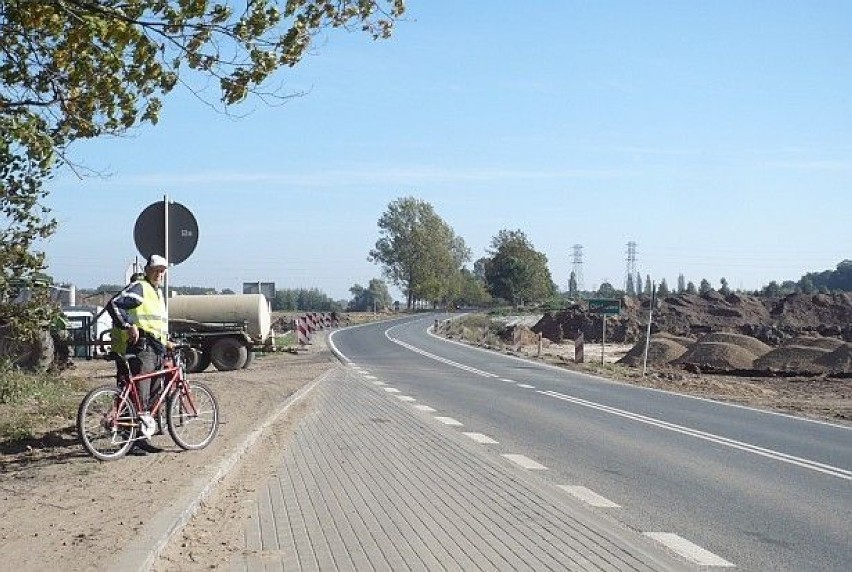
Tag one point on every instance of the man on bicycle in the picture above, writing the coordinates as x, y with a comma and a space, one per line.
139, 313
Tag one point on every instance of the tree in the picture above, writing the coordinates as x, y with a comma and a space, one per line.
629, 288
79, 69
607, 290
690, 288
681, 284
516, 271
704, 287
573, 291
638, 284
374, 297
648, 284
724, 290
418, 251
663, 289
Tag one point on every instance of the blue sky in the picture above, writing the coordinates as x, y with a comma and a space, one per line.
716, 135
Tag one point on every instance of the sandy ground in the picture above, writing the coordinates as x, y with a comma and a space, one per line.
63, 510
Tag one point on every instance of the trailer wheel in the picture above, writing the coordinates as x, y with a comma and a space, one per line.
190, 358
228, 354
202, 363
249, 359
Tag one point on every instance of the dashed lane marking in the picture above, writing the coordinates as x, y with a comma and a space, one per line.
688, 550
588, 496
526, 386
525, 462
378, 383
406, 398
424, 408
449, 421
391, 390
480, 438
507, 380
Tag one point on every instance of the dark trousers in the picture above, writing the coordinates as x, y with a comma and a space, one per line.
148, 361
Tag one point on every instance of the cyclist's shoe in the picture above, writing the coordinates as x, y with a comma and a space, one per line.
146, 446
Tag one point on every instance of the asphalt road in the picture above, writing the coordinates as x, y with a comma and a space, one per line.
756, 490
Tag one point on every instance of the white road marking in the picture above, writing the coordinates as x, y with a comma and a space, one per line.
438, 358
406, 398
507, 380
378, 383
526, 386
525, 462
713, 438
391, 390
588, 496
424, 408
449, 421
480, 438
688, 550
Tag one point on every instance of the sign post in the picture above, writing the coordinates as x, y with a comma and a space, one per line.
605, 307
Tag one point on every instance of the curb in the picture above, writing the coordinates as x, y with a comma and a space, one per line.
142, 553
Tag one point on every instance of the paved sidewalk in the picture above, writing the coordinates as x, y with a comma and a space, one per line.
370, 483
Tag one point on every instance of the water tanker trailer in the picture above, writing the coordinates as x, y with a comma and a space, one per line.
222, 329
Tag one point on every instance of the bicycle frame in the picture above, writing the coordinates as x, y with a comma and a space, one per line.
175, 381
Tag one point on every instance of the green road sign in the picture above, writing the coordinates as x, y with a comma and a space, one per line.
604, 306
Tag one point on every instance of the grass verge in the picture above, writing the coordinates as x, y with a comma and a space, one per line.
32, 402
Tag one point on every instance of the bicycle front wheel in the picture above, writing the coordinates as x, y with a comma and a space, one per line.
106, 424
193, 416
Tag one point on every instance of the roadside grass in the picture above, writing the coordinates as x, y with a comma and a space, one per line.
33, 402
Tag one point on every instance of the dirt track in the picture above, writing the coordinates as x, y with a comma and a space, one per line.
63, 510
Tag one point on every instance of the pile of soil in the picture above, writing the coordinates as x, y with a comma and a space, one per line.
769, 320
811, 342
837, 361
749, 343
801, 359
716, 356
570, 323
661, 351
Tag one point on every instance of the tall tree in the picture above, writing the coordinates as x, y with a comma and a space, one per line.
724, 289
418, 250
573, 291
704, 287
78, 69
681, 284
663, 289
516, 271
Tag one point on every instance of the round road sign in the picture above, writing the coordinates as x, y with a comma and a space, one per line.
150, 236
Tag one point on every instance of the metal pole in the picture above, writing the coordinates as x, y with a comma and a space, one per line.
166, 251
648, 331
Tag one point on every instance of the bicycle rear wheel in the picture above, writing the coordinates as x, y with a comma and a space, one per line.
106, 424
193, 416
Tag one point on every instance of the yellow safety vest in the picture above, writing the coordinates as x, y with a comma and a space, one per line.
150, 315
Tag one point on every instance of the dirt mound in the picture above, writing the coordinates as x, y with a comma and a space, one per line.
799, 359
661, 350
717, 356
568, 324
837, 361
811, 342
769, 320
753, 345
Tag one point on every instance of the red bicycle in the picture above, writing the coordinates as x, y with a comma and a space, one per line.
111, 417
